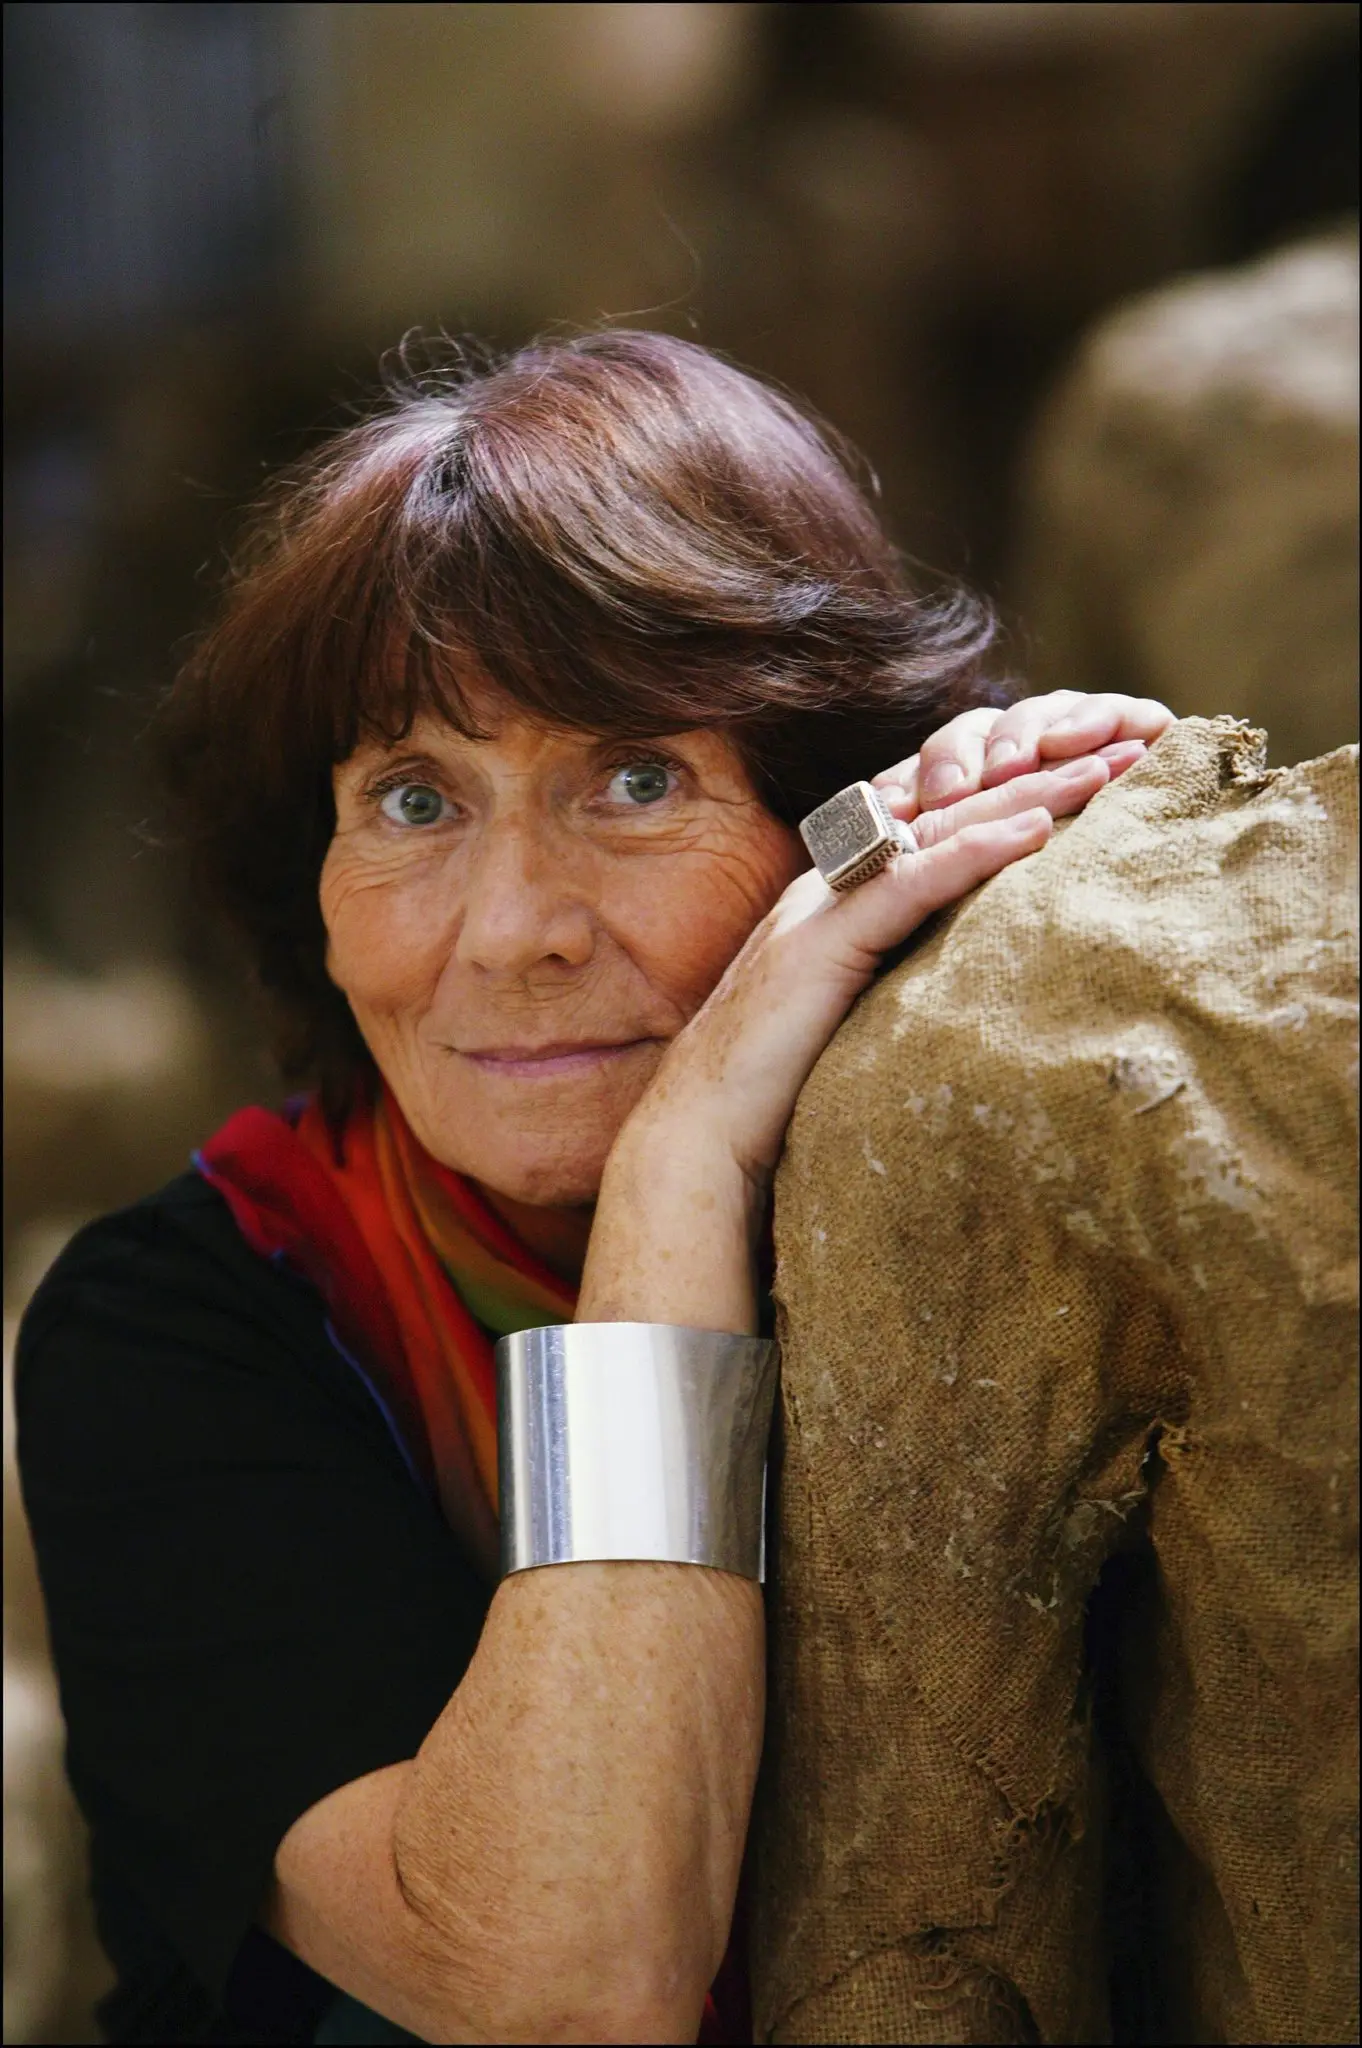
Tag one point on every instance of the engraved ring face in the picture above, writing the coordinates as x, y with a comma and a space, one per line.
852, 836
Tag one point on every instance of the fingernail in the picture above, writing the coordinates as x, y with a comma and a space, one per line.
1026, 822
1080, 766
1001, 752
942, 779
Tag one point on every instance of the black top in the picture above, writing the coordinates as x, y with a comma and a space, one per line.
251, 1601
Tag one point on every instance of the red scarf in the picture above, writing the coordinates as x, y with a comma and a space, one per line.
415, 1268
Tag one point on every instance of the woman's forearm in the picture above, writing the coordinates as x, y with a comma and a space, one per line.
675, 1228
574, 1824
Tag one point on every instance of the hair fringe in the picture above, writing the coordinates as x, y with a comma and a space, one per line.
614, 530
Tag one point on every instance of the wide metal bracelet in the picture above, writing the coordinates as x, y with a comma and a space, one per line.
634, 1441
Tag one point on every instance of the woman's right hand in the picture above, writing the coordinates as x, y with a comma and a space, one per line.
685, 1188
732, 1076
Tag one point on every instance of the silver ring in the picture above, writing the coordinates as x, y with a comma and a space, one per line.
852, 836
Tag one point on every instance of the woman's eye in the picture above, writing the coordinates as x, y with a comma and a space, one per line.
642, 782
413, 803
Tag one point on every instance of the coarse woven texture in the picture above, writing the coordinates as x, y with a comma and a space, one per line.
1066, 1284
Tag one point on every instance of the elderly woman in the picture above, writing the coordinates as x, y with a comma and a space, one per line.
495, 756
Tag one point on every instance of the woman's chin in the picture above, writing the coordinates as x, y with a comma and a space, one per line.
549, 1184
545, 1172
541, 1143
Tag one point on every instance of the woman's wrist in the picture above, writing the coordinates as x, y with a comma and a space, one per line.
677, 1224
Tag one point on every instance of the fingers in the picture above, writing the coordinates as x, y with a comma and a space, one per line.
899, 788
948, 767
1060, 790
1065, 724
952, 760
986, 834
1063, 787
1014, 743
984, 748
883, 912
1122, 756
1100, 721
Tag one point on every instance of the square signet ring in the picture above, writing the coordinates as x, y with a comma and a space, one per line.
852, 836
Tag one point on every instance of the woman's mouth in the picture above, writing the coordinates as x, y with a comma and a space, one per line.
550, 1062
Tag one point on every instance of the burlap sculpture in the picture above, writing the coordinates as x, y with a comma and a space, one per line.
1066, 1241
1189, 501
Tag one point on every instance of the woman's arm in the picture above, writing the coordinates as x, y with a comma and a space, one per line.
559, 1863
560, 1860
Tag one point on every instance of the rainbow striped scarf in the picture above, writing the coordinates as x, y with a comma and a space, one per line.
418, 1273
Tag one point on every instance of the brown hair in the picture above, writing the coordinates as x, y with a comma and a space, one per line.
624, 535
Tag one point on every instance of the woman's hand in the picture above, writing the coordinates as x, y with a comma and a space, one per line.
734, 1072
981, 749
684, 1192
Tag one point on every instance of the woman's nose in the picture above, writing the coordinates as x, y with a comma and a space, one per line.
524, 905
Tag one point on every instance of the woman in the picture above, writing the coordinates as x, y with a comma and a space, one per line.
495, 756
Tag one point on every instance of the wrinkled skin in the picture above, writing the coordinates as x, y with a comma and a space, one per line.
543, 909
524, 924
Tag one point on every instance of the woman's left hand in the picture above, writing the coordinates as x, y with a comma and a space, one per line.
980, 749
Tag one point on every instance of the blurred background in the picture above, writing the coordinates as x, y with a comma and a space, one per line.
1081, 280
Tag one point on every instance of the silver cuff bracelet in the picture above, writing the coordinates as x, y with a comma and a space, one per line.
634, 1441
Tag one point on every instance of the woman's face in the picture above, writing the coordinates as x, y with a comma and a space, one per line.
522, 923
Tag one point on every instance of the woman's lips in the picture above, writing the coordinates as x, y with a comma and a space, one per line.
550, 1062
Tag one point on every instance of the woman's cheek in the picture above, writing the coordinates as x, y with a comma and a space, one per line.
383, 922
692, 916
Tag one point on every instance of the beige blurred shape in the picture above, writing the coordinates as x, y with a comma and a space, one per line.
108, 1081
1190, 504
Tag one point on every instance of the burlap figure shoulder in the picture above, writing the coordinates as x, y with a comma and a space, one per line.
1066, 1253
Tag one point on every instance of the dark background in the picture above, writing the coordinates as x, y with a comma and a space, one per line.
217, 217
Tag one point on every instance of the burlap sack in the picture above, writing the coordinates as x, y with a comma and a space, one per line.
1188, 500
1066, 1237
